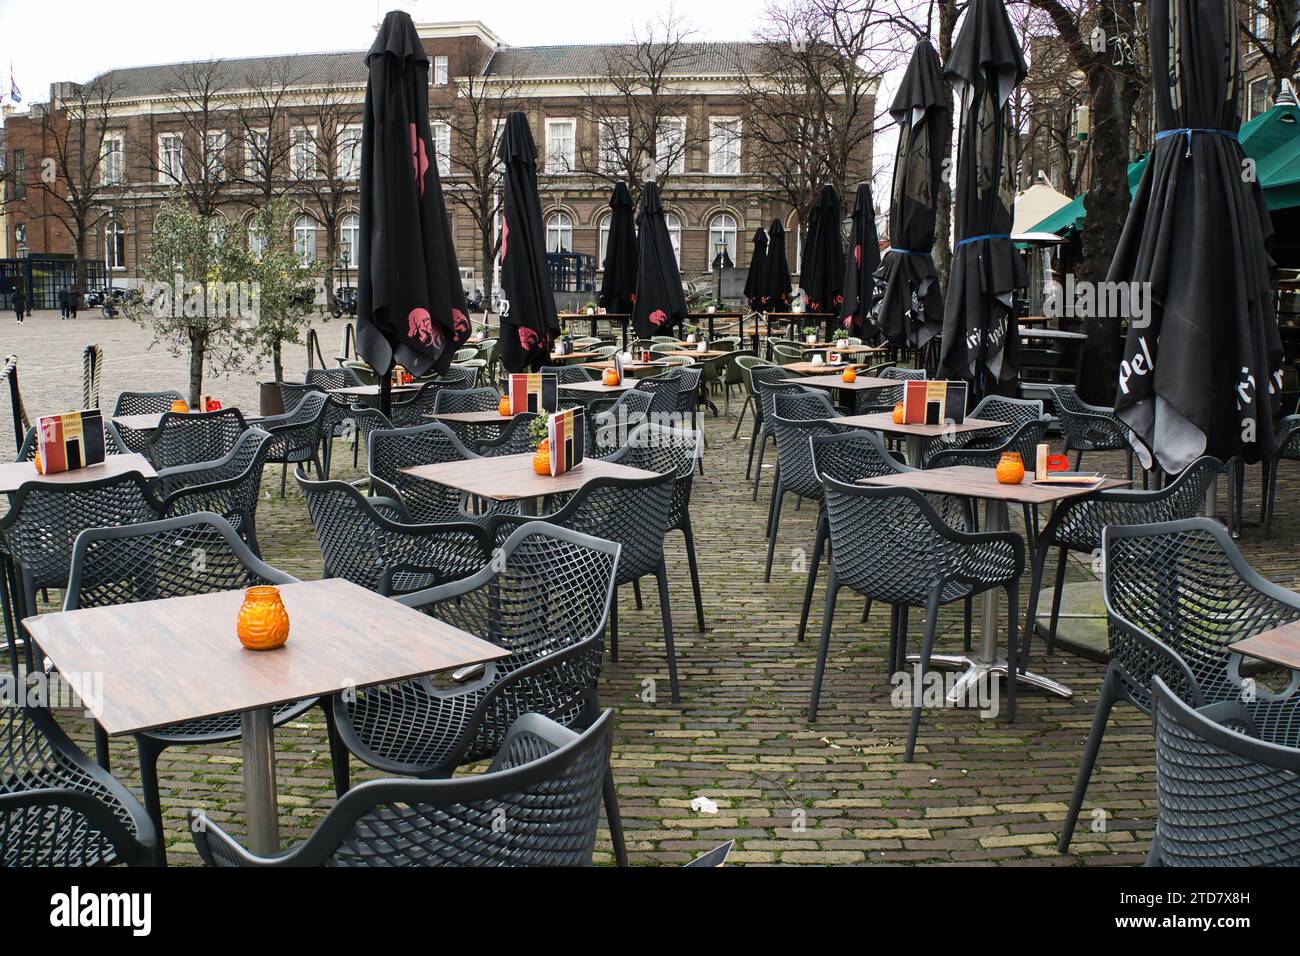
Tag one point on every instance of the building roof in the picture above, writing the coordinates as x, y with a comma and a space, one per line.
349, 68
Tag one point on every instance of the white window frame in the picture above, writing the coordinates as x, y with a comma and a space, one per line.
440, 133
724, 146
350, 233
674, 235
214, 156
1264, 81
256, 237
256, 146
602, 238
304, 138
113, 174
113, 232
665, 145
299, 229
729, 235
348, 161
441, 73
167, 173
559, 230
615, 143
554, 162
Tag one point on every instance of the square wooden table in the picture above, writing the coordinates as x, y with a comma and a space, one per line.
15, 473
916, 435
823, 370
511, 477
968, 481
705, 356
834, 381
1279, 645
152, 664
629, 368
558, 359
599, 388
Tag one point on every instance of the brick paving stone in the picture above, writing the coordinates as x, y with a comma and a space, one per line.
790, 792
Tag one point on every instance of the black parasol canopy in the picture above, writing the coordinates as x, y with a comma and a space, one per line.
776, 271
754, 277
528, 317
410, 304
861, 261
910, 307
980, 338
822, 274
1201, 369
618, 285
659, 304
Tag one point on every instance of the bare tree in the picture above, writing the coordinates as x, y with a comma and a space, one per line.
1269, 26
199, 167
262, 128
325, 162
80, 187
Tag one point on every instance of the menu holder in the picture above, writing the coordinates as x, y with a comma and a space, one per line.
934, 402
1072, 479
208, 404
618, 367
1046, 464
566, 432
534, 392
70, 441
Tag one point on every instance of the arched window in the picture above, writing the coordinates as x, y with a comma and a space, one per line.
602, 232
114, 245
256, 238
674, 225
349, 237
559, 232
722, 231
304, 239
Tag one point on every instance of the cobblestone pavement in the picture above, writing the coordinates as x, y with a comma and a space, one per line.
791, 792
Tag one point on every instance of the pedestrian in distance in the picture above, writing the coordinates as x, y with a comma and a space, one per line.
20, 304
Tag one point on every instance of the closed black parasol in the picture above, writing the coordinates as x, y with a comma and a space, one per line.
410, 304
618, 285
861, 260
822, 275
980, 338
528, 321
1201, 368
910, 306
660, 304
754, 277
776, 271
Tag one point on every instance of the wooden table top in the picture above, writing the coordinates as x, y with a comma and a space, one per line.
372, 391
489, 417
884, 422
15, 473
179, 659
1281, 645
511, 477
697, 354
972, 482
820, 369
151, 420
597, 315
600, 387
834, 381
629, 367
573, 356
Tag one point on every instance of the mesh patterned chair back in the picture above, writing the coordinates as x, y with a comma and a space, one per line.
454, 401
675, 451
190, 438
513, 439
665, 394
364, 372
392, 450
797, 417
1087, 427
1023, 442
417, 409
370, 542
57, 807
767, 390
688, 391
890, 544
337, 412
610, 422
27, 450
1016, 412
546, 781
761, 375
870, 400
1183, 586
460, 376
1223, 796
229, 487
291, 393
787, 354
45, 518
296, 434
324, 379
567, 374
146, 403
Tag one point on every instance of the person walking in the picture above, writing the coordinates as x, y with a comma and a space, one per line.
20, 304
63, 305
74, 301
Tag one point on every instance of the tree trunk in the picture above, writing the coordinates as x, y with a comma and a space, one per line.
277, 364
943, 208
488, 260
198, 348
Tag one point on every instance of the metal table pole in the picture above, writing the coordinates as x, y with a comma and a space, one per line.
257, 741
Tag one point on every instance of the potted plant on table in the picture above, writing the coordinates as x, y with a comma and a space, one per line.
810, 334
538, 435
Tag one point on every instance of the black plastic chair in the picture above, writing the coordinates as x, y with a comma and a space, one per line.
460, 376
545, 786
230, 487
1224, 797
1077, 524
673, 451
1286, 449
1177, 595
185, 438
416, 410
364, 421
632, 512
567, 374
337, 412
372, 541
455, 401
1016, 412
1087, 427
610, 421
194, 554
140, 403
296, 435
870, 400
513, 440
889, 544
57, 807
767, 387
795, 416
544, 598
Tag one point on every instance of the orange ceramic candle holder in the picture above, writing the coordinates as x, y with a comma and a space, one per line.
179, 406
503, 406
898, 413
542, 458
610, 377
1011, 470
263, 623
849, 375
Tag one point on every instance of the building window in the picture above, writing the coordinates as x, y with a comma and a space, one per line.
602, 232
114, 245
724, 146
214, 154
256, 153
560, 145
1259, 99
20, 176
722, 231
442, 146
256, 238
559, 232
615, 142
169, 157
670, 145
1260, 24
349, 152
302, 152
349, 239
440, 71
112, 169
304, 239
674, 235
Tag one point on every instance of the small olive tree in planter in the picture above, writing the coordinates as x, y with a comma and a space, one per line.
198, 297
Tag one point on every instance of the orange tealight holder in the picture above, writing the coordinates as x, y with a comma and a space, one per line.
263, 622
179, 406
503, 406
1011, 469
